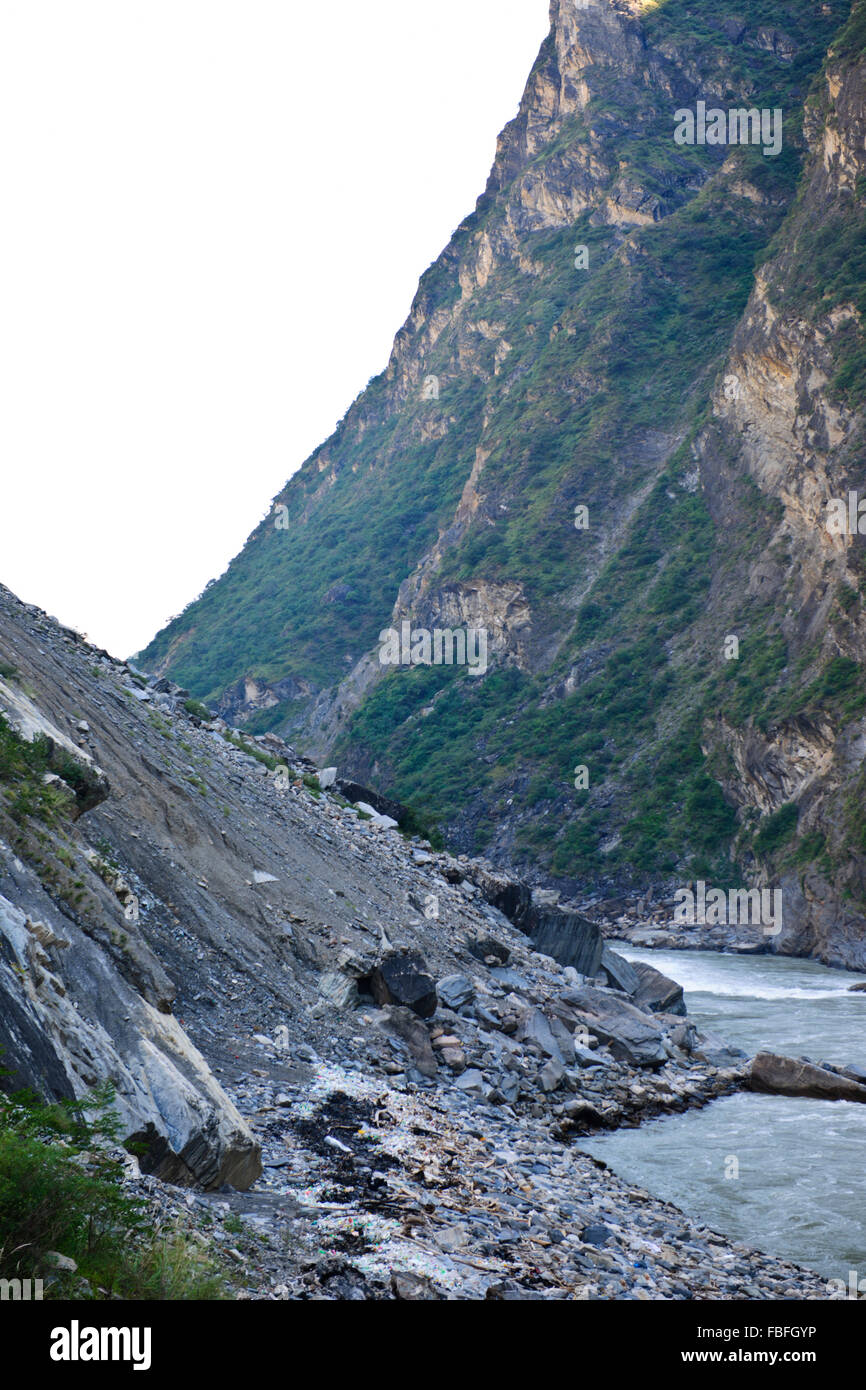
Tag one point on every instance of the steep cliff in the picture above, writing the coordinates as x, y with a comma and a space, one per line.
606, 436
789, 418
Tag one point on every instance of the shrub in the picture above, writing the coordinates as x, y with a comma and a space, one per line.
61, 1190
776, 829
197, 709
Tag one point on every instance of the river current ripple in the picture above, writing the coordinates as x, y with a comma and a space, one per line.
783, 1174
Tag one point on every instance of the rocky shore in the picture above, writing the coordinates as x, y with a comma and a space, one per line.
361, 1065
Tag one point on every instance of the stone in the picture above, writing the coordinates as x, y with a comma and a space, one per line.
656, 992
585, 1057
455, 1058
596, 1235
413, 1288
484, 948
380, 805
409, 1029
715, 1053
619, 972
471, 1080
505, 975
382, 822
534, 1027
551, 1075
786, 1076
340, 989
567, 936
631, 1036
64, 1263
402, 978
455, 991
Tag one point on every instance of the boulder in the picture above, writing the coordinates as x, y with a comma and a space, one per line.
68, 1017
786, 1076
379, 821
403, 1024
509, 896
551, 1074
632, 1036
565, 935
489, 950
620, 974
534, 1027
656, 992
402, 977
713, 1052
382, 805
341, 990
569, 937
455, 991
473, 1082
409, 1287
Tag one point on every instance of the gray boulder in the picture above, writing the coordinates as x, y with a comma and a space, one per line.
656, 992
785, 1076
406, 1026
631, 1035
620, 973
455, 991
567, 936
534, 1027
68, 1017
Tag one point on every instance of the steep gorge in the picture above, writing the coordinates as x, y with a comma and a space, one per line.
699, 389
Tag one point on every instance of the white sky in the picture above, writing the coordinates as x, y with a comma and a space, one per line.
214, 219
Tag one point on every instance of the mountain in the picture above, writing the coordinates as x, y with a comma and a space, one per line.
343, 1065
612, 435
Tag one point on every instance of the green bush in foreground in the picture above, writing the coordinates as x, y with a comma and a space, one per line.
61, 1191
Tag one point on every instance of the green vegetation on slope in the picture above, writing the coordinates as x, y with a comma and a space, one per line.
61, 1191
584, 388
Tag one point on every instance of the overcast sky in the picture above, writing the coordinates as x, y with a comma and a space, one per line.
214, 219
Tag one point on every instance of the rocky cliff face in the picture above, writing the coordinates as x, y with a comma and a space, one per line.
788, 415
607, 436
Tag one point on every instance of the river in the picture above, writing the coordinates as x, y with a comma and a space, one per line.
780, 1173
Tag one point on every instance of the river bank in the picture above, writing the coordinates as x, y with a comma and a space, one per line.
780, 1171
